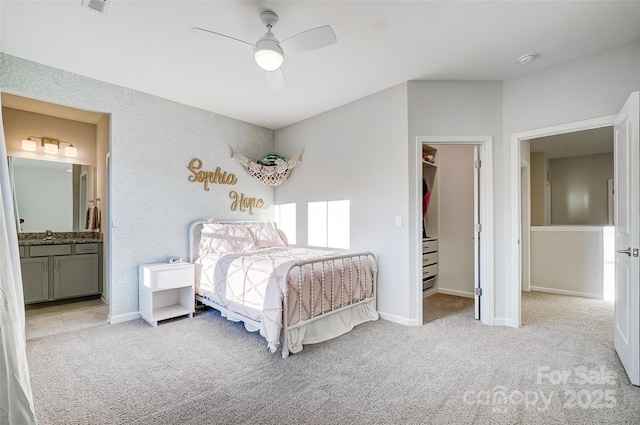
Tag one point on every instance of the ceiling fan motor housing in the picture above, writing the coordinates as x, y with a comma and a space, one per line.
269, 18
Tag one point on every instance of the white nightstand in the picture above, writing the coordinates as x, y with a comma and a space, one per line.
165, 291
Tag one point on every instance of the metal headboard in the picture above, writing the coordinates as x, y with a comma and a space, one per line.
195, 230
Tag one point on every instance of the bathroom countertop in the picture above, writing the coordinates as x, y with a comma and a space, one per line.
58, 238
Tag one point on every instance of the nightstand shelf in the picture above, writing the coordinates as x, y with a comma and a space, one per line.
170, 311
166, 291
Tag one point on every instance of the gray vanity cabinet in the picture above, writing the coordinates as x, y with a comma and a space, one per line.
75, 276
35, 278
55, 272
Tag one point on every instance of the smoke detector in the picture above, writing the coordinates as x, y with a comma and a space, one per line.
525, 59
100, 6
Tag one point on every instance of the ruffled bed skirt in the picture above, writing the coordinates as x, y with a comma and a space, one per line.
331, 326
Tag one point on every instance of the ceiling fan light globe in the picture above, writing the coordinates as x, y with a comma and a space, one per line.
269, 59
268, 53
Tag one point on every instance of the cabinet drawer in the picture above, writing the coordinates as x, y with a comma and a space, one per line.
429, 258
428, 271
21, 249
162, 277
428, 282
429, 245
45, 250
86, 248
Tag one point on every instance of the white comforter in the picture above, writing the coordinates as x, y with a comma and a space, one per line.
251, 284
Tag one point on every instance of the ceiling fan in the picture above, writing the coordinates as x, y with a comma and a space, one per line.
269, 51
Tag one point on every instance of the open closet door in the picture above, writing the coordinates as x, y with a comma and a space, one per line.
627, 229
476, 230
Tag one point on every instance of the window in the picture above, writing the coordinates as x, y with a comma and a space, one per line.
285, 218
329, 224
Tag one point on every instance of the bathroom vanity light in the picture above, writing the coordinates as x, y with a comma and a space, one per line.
51, 146
29, 145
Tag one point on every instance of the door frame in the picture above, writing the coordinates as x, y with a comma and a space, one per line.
513, 270
107, 232
485, 144
525, 216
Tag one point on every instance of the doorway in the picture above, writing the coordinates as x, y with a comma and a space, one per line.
564, 247
90, 132
483, 255
626, 221
515, 270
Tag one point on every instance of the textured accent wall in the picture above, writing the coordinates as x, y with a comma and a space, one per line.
152, 142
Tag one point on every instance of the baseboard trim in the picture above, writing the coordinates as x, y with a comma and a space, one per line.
504, 321
565, 292
124, 317
456, 293
398, 319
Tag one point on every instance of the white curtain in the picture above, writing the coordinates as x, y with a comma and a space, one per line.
16, 401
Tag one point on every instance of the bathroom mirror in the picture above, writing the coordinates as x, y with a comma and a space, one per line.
51, 195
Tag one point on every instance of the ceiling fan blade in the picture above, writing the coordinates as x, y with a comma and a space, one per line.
309, 40
202, 31
275, 80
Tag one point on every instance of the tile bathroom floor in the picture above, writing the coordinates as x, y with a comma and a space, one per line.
42, 321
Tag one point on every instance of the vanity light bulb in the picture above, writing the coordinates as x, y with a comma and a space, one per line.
50, 148
29, 145
71, 151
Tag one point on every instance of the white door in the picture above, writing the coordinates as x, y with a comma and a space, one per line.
627, 228
476, 229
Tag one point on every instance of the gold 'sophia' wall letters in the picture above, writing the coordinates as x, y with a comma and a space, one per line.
215, 177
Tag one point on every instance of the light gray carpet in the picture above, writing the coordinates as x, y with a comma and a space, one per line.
207, 370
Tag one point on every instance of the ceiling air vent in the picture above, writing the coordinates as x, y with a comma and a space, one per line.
101, 6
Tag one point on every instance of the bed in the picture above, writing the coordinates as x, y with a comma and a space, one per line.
292, 295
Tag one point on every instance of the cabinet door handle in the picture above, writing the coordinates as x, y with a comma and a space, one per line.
46, 266
55, 263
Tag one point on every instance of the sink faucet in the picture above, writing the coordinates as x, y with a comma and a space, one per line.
49, 234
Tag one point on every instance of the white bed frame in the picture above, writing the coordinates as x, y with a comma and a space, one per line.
252, 325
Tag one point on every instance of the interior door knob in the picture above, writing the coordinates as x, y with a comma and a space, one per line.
625, 251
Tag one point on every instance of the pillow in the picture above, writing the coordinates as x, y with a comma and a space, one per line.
267, 237
224, 237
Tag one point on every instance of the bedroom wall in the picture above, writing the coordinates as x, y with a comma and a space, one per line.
451, 108
589, 87
152, 142
592, 86
358, 152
